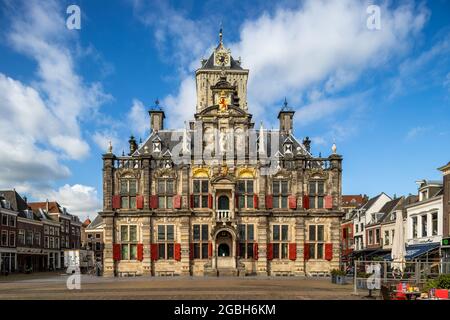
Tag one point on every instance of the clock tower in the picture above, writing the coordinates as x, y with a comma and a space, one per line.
220, 66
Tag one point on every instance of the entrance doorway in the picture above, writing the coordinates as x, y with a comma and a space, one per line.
223, 250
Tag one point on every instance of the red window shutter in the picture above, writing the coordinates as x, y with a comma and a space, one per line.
328, 202
177, 202
177, 253
293, 251
116, 252
255, 201
255, 251
236, 200
154, 253
210, 201
269, 201
305, 202
292, 202
116, 202
238, 252
192, 201
140, 202
270, 251
329, 251
306, 251
191, 251
154, 202
210, 253
140, 251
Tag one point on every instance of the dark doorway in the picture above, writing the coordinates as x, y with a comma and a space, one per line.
224, 203
224, 250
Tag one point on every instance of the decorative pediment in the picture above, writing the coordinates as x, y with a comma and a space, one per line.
164, 173
200, 172
246, 173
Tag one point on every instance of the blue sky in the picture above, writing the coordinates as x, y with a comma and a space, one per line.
382, 95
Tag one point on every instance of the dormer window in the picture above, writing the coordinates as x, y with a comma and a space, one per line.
156, 146
288, 148
424, 195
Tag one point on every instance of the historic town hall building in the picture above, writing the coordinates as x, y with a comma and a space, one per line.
221, 197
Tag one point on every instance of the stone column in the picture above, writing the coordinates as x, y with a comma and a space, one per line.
262, 239
146, 183
335, 240
299, 265
108, 262
146, 240
184, 240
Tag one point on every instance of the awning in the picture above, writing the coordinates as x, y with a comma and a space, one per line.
416, 250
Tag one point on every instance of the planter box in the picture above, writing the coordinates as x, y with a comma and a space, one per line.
333, 278
361, 283
341, 280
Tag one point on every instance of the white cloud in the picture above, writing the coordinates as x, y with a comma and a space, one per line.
41, 120
416, 132
323, 43
181, 107
138, 119
103, 137
79, 199
314, 50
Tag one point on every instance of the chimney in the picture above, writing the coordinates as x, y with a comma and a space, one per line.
133, 145
286, 116
307, 144
156, 117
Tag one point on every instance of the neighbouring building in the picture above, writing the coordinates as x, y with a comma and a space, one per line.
445, 247
95, 237
363, 217
8, 232
84, 225
425, 221
69, 226
349, 205
352, 202
220, 197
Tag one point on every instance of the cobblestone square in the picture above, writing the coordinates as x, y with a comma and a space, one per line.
53, 286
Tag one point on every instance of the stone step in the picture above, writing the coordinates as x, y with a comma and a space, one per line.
227, 272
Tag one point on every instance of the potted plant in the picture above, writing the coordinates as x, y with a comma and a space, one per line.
334, 273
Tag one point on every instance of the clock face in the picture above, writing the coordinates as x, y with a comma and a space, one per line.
222, 59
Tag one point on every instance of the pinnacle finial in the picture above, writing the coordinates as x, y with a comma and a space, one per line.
221, 33
110, 147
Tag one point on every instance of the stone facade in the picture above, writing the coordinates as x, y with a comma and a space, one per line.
219, 197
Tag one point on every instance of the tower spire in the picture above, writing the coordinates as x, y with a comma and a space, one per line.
221, 34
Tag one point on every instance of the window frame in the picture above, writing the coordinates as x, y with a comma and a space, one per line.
128, 196
316, 198
127, 242
167, 244
280, 246
166, 196
245, 195
316, 245
201, 243
200, 197
246, 243
280, 198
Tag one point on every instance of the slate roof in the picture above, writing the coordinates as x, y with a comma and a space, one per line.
209, 64
168, 143
357, 200
95, 223
17, 202
371, 202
